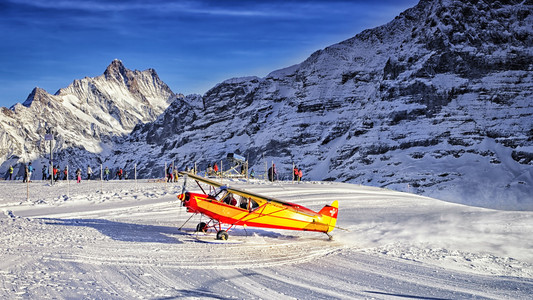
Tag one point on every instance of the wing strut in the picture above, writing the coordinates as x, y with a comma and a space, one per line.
186, 221
198, 183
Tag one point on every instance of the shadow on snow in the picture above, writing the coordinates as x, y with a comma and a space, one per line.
126, 232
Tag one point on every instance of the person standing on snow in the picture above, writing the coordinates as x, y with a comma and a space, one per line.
215, 169
272, 173
10, 173
175, 174
25, 178
78, 175
55, 172
106, 173
169, 173
300, 174
89, 172
30, 171
45, 172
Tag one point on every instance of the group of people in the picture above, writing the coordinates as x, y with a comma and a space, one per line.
26, 173
273, 173
27, 170
121, 174
222, 194
57, 174
213, 170
172, 173
244, 203
298, 174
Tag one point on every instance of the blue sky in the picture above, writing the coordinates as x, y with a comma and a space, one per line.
191, 44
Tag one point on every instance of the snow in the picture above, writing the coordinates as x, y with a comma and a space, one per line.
121, 240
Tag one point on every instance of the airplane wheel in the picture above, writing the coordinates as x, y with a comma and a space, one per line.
222, 235
201, 227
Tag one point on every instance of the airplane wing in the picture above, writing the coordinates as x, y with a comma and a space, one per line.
202, 179
260, 199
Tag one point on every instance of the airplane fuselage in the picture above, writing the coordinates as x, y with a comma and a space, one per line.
268, 215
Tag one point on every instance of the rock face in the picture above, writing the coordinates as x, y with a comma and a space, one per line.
438, 102
84, 117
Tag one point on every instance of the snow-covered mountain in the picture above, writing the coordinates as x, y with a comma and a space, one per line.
438, 102
84, 117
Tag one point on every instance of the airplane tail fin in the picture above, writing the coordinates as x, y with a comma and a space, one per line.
329, 214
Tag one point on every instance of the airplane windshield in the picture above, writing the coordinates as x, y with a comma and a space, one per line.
219, 192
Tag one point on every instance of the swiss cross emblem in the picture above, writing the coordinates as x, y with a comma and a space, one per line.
332, 211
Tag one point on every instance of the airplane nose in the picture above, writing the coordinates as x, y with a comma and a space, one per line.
184, 197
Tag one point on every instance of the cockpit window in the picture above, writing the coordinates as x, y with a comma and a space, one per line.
248, 203
219, 193
230, 199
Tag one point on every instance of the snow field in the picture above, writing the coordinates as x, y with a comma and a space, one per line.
126, 243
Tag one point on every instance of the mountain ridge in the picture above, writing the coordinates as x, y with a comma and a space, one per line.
87, 114
435, 102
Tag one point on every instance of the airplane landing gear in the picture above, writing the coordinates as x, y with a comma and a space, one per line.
222, 235
201, 227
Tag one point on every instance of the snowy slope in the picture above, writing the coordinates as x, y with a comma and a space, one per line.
124, 243
85, 116
437, 102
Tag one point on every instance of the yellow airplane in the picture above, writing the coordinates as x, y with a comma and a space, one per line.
226, 205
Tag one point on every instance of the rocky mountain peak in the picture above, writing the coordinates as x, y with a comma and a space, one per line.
117, 70
91, 113
37, 94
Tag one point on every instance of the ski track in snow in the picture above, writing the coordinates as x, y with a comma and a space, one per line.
122, 240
